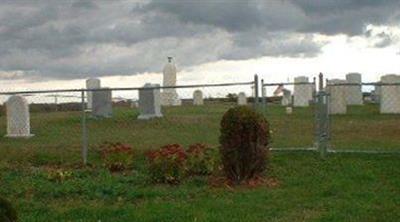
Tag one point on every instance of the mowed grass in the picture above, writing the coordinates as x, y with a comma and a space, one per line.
343, 187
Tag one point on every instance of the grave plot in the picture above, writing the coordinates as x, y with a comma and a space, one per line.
290, 109
365, 116
41, 127
140, 117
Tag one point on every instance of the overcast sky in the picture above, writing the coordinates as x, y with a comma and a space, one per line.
57, 43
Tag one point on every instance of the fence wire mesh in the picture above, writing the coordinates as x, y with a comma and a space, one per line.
369, 120
63, 124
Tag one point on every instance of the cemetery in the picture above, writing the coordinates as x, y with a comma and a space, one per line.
169, 157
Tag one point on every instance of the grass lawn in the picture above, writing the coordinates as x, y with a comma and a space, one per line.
344, 187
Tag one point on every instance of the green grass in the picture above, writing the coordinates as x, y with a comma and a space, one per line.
344, 187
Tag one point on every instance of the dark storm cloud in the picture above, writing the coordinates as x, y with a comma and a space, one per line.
74, 39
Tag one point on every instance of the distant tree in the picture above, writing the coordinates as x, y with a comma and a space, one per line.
232, 97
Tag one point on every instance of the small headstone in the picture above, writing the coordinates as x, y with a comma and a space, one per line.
242, 99
91, 84
289, 110
353, 92
303, 92
390, 95
337, 98
198, 98
149, 102
287, 97
102, 103
18, 119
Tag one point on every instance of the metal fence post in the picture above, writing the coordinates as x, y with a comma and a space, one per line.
322, 123
84, 130
263, 99
256, 97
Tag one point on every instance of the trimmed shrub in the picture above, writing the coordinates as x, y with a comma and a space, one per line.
7, 212
168, 164
116, 156
244, 144
201, 159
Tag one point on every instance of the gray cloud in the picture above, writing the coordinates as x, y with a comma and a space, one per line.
74, 39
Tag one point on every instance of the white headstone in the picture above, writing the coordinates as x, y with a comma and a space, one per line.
353, 92
170, 96
198, 97
18, 120
242, 99
390, 95
337, 97
303, 92
287, 97
149, 102
91, 84
102, 103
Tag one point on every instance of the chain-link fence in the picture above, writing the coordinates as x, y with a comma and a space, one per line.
290, 109
65, 126
364, 117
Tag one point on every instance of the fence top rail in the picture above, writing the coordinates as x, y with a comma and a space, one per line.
288, 83
126, 88
363, 84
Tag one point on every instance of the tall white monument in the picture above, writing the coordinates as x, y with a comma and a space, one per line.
353, 92
18, 120
169, 97
390, 94
91, 83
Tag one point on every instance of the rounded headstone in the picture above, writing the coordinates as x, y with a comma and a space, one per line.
242, 99
18, 119
390, 94
149, 102
198, 97
353, 92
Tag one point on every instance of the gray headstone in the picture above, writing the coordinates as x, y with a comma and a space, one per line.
242, 99
287, 97
102, 103
149, 102
18, 119
91, 84
198, 98
390, 95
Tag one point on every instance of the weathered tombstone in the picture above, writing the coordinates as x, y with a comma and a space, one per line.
18, 119
390, 95
337, 96
198, 98
149, 102
242, 99
289, 110
170, 96
91, 83
303, 92
287, 97
102, 103
353, 92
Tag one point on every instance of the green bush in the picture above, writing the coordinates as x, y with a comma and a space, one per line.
7, 212
201, 159
116, 156
168, 164
244, 144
